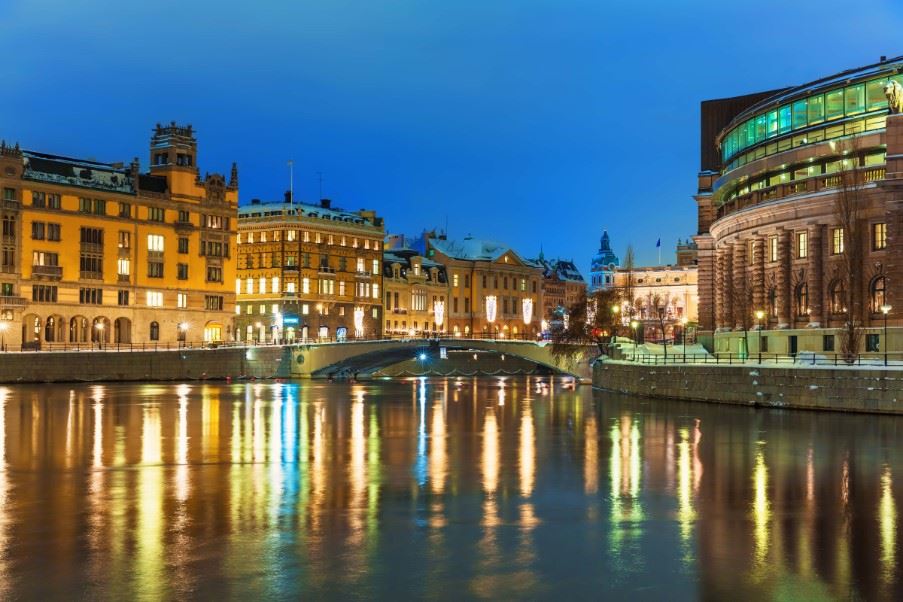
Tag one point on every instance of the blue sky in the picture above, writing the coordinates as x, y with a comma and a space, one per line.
524, 121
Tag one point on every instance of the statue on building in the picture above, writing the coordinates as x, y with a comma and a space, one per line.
894, 92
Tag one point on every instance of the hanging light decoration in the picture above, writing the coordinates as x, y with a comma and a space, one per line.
528, 310
591, 311
438, 313
491, 308
358, 322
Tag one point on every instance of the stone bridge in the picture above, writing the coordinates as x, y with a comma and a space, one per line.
444, 356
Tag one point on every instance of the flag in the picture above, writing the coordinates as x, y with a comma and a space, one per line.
658, 243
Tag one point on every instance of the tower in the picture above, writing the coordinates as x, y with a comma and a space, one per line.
173, 154
603, 265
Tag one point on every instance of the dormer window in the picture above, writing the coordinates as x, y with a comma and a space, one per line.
416, 267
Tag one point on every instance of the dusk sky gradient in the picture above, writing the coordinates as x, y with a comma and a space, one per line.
523, 121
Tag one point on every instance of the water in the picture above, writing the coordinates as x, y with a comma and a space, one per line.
441, 489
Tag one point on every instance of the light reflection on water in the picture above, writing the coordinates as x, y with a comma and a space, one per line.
440, 488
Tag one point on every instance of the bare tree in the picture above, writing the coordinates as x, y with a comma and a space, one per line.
742, 300
848, 210
589, 321
629, 284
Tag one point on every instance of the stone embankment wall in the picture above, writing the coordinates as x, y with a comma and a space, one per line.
836, 389
185, 364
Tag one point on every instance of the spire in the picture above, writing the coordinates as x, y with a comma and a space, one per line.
233, 179
542, 257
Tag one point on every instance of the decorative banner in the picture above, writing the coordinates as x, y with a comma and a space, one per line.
358, 322
438, 313
491, 308
528, 310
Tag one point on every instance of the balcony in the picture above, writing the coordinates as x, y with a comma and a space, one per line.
325, 269
184, 227
363, 275
400, 310
123, 278
92, 247
86, 275
52, 272
9, 301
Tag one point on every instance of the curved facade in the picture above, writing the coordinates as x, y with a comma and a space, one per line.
771, 235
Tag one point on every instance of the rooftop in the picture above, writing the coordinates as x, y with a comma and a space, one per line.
258, 209
56, 169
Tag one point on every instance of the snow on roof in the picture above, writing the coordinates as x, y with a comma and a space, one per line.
57, 169
471, 249
299, 209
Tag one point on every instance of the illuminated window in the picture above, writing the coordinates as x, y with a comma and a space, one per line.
263, 285
834, 104
836, 241
181, 300
123, 266
275, 284
305, 286
802, 245
773, 248
290, 287
455, 280
879, 236
154, 299
854, 99
878, 294
155, 243
249, 286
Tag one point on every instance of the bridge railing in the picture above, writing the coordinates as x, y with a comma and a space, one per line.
802, 359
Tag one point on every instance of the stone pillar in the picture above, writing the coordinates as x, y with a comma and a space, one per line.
718, 288
741, 286
706, 282
727, 286
815, 275
892, 189
784, 281
758, 274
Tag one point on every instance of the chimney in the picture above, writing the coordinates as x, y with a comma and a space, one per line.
883, 59
288, 196
255, 201
325, 203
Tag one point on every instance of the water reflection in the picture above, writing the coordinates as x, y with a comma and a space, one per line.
494, 488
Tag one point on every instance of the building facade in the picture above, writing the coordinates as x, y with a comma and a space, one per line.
416, 294
562, 285
308, 272
492, 290
102, 253
603, 265
667, 293
774, 237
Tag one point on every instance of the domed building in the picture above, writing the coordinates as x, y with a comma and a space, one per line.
800, 214
603, 264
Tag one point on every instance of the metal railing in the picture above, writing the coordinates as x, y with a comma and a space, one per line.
802, 359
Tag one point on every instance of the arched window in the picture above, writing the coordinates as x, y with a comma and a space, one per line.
801, 299
838, 297
878, 294
154, 331
772, 303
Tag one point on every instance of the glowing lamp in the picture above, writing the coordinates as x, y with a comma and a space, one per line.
438, 313
358, 322
491, 308
528, 310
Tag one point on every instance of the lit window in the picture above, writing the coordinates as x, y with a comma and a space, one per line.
275, 309
360, 264
155, 243
290, 287
773, 248
879, 236
305, 285
154, 299
375, 267
341, 287
123, 267
802, 244
181, 300
455, 280
249, 286
275, 284
305, 309
238, 286
375, 291
837, 241
263, 285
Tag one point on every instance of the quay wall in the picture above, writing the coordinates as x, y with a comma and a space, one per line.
184, 364
823, 388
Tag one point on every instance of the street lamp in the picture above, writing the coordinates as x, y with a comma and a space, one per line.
759, 315
885, 309
634, 325
683, 334
183, 330
99, 327
3, 327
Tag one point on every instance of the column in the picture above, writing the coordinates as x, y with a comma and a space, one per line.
727, 285
741, 286
758, 274
718, 287
784, 282
706, 282
815, 274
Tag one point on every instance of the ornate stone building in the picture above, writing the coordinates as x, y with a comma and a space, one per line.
777, 170
493, 290
603, 265
105, 253
416, 294
308, 272
562, 285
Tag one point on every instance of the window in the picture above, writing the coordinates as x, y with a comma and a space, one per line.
455, 280
872, 343
326, 286
53, 201
9, 194
184, 217
274, 284
183, 245
90, 296
249, 286
802, 245
122, 298
43, 293
801, 299
418, 300
375, 267
834, 104
854, 99
877, 294
773, 248
817, 108
764, 345
879, 236
466, 280
155, 243
154, 269
154, 331
827, 342
213, 302
181, 300
53, 232
215, 222
45, 258
84, 205
837, 297
836, 241
91, 266
154, 299
360, 265
305, 309
38, 199
125, 239
182, 271
290, 287
305, 286
37, 230
125, 210
773, 303
215, 274
342, 287
123, 266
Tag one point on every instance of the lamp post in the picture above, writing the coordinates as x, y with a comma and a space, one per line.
633, 325
683, 334
759, 315
3, 327
885, 309
183, 330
